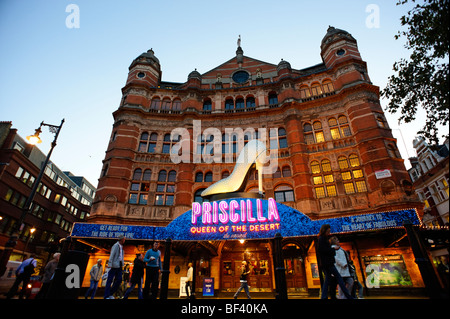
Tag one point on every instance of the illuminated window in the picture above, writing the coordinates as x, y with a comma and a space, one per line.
346, 176
317, 180
331, 190
354, 160
349, 188
316, 89
329, 178
327, 86
342, 161
361, 186
315, 167
304, 92
357, 173
320, 192
326, 165
339, 128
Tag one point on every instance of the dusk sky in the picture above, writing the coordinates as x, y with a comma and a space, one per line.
53, 67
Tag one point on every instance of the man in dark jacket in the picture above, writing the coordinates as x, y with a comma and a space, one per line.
136, 276
326, 259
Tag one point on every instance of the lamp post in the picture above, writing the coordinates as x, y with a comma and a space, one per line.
33, 139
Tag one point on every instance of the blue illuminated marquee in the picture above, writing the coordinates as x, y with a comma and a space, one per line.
245, 218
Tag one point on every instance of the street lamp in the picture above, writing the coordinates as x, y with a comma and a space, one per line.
9, 246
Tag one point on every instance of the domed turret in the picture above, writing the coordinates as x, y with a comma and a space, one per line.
338, 46
284, 69
194, 79
139, 69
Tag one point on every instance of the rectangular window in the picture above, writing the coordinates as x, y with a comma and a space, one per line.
331, 190
320, 192
159, 200
133, 198
335, 133
160, 188
345, 130
151, 147
329, 178
309, 139
169, 200
349, 188
317, 180
143, 199
319, 137
361, 186
357, 173
346, 176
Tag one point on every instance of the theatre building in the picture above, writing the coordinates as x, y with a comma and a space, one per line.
332, 159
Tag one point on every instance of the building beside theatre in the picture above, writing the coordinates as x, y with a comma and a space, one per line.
334, 153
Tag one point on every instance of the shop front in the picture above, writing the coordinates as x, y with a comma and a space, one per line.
218, 236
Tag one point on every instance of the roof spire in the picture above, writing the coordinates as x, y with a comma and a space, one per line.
239, 41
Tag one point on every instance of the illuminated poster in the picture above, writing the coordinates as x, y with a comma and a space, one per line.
386, 271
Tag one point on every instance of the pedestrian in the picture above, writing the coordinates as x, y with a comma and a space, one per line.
342, 266
23, 275
189, 279
136, 276
96, 275
49, 271
245, 271
326, 259
115, 273
154, 266
356, 284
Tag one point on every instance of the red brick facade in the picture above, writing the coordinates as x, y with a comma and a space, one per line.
335, 136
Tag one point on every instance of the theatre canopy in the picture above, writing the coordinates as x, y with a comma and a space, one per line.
245, 218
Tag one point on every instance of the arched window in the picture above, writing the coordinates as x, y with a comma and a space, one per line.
176, 105
273, 99
172, 176
354, 160
225, 174
313, 133
286, 171
250, 102
208, 177
305, 92
156, 104
162, 176
326, 165
316, 89
277, 173
199, 177
284, 193
282, 140
147, 175
315, 167
165, 104
343, 163
229, 104
240, 103
327, 86
339, 128
207, 105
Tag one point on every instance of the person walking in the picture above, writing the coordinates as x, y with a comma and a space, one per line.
342, 266
245, 271
325, 256
136, 276
96, 275
49, 271
189, 279
115, 273
23, 275
154, 266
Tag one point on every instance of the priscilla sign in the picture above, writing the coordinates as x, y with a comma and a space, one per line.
245, 218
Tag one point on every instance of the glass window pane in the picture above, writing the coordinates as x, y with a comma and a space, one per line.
319, 137
317, 180
320, 192
331, 190
133, 198
349, 188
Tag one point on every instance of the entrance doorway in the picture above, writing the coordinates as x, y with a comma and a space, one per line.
258, 255
295, 268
